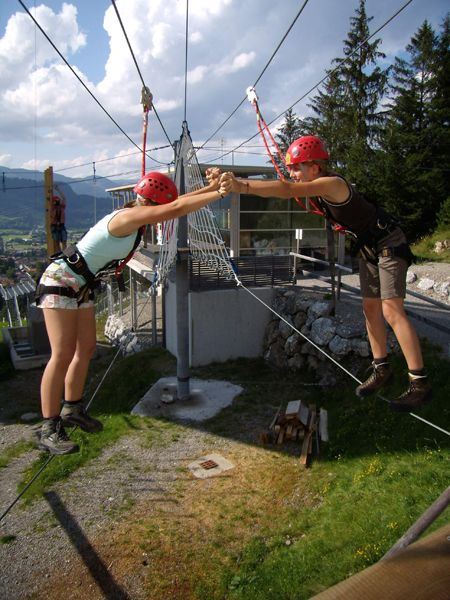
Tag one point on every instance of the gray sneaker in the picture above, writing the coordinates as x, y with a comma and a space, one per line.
382, 376
55, 440
77, 415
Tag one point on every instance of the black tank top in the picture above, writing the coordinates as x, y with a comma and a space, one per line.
356, 214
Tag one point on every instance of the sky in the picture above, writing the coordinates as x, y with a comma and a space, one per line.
47, 118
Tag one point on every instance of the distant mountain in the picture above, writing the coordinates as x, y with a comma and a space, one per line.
22, 199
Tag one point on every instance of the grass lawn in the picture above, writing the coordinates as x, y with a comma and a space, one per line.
271, 529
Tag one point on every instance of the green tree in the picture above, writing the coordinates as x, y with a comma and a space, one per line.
349, 118
289, 131
411, 180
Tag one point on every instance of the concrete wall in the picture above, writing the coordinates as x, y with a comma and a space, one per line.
223, 324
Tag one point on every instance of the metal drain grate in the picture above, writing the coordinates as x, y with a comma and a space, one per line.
209, 464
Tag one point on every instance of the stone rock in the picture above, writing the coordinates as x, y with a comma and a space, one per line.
345, 331
276, 357
443, 289
295, 363
272, 331
319, 309
300, 319
411, 277
27, 417
279, 305
293, 344
308, 348
285, 330
361, 348
438, 247
426, 284
323, 331
340, 346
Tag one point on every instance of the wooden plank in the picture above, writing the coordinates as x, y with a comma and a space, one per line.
305, 447
280, 437
420, 571
294, 433
264, 438
272, 425
323, 425
288, 432
303, 415
292, 409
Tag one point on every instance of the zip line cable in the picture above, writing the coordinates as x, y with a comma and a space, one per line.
186, 60
138, 70
122, 343
82, 82
321, 81
260, 75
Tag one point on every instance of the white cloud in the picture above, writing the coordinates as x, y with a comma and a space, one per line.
6, 160
43, 105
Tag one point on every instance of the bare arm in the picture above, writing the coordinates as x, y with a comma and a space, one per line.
63, 198
128, 221
333, 189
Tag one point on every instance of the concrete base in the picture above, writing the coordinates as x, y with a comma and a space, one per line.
14, 337
206, 400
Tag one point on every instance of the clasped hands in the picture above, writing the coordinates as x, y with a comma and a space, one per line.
222, 182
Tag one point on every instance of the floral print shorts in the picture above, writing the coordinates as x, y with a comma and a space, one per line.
57, 274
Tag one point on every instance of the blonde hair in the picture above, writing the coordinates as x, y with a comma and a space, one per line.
140, 201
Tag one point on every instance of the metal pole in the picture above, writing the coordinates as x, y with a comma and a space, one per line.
182, 303
421, 524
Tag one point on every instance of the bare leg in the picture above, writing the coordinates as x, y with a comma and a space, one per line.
62, 332
376, 327
86, 342
394, 312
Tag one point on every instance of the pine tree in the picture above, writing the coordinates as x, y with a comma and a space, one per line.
348, 116
289, 131
410, 178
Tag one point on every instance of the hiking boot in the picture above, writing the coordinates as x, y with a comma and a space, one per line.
77, 415
382, 376
418, 394
54, 438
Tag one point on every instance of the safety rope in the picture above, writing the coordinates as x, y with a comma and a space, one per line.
253, 98
330, 357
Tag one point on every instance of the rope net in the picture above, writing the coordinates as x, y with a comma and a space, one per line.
206, 243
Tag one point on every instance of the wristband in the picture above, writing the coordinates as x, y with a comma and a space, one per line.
218, 191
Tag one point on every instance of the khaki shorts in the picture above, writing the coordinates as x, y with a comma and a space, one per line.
57, 274
387, 279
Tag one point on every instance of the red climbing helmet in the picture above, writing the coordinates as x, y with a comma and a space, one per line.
157, 187
56, 200
305, 149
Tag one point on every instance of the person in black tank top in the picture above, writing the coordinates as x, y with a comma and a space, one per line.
385, 258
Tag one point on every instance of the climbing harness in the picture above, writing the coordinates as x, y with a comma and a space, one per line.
76, 262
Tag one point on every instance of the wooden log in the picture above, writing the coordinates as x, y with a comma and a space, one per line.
280, 437
305, 447
323, 425
264, 438
288, 432
272, 425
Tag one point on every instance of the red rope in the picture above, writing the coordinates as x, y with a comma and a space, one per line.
259, 119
